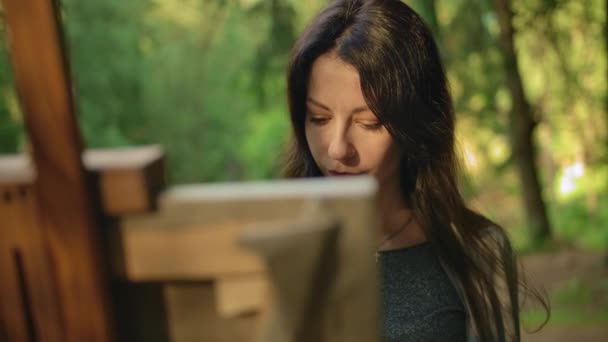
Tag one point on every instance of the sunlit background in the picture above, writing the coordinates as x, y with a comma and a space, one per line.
206, 79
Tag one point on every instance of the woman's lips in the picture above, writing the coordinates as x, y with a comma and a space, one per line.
336, 173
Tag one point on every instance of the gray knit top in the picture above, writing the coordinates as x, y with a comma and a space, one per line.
419, 302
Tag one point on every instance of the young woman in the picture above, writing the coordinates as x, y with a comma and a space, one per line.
368, 95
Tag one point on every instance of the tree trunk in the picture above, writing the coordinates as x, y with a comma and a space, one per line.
521, 129
606, 94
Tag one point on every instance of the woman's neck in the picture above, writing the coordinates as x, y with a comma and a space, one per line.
400, 228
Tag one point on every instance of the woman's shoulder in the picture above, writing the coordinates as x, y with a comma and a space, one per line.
495, 242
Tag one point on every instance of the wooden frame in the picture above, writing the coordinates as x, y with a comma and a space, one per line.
92, 249
67, 225
197, 237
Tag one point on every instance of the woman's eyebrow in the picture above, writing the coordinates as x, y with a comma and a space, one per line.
320, 105
317, 103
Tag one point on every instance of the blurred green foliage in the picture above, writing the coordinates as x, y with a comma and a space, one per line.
206, 79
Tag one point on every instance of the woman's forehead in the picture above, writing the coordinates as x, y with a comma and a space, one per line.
329, 66
335, 84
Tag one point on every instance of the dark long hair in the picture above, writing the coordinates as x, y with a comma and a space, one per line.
405, 86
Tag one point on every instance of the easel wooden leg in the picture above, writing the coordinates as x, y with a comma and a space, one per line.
29, 309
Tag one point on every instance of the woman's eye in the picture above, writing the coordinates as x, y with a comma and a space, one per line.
372, 126
318, 120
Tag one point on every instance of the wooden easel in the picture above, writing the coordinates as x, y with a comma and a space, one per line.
94, 248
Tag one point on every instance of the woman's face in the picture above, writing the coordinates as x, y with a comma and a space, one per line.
344, 136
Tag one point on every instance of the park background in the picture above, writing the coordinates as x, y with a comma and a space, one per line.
206, 80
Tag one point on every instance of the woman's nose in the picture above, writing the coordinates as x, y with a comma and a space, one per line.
340, 147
